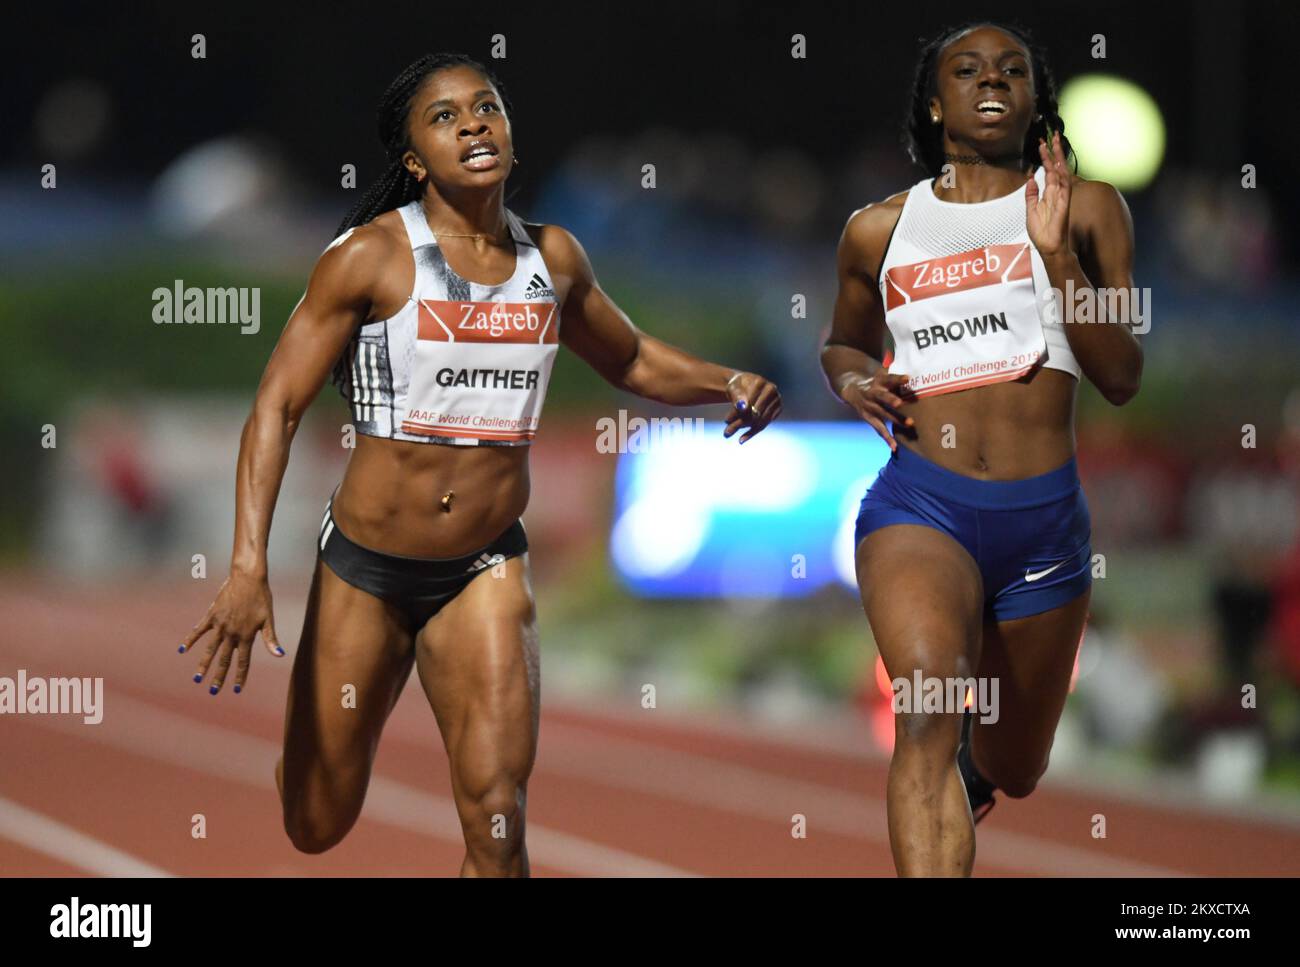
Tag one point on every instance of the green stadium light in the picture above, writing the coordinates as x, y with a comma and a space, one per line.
1116, 129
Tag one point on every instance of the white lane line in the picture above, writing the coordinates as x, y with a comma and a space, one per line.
700, 780
42, 834
841, 732
407, 808
995, 845
179, 740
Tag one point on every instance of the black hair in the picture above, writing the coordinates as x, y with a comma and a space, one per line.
924, 140
397, 186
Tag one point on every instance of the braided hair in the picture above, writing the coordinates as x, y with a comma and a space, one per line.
397, 186
924, 140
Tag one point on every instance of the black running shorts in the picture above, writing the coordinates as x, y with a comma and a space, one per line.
419, 587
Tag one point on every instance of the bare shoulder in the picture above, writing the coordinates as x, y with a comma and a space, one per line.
1099, 216
1099, 199
867, 233
562, 252
364, 250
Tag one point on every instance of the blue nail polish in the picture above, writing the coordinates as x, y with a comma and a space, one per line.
740, 404
198, 678
212, 690
182, 649
279, 650
236, 689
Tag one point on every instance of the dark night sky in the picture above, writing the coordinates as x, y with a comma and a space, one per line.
309, 81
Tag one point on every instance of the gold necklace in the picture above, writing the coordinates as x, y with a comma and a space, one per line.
491, 238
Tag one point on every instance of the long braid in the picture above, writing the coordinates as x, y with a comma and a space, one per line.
924, 140
397, 186
394, 188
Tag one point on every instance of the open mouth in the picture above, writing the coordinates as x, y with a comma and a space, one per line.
992, 108
480, 156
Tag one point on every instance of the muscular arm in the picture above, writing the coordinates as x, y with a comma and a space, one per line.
1100, 257
851, 358
854, 350
338, 298
607, 340
855, 347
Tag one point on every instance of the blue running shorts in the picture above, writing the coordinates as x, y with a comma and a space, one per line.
1031, 538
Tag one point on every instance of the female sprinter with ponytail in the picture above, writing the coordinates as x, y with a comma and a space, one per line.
973, 543
438, 314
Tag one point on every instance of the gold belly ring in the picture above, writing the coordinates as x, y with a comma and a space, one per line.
446, 500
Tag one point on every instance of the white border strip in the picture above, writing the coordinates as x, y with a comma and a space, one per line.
186, 742
42, 834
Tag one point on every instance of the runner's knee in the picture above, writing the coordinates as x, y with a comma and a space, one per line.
933, 735
312, 824
493, 816
313, 831
1015, 780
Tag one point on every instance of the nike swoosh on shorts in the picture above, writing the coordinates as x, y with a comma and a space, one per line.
1030, 576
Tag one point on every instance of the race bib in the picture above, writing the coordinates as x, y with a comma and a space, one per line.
965, 320
480, 370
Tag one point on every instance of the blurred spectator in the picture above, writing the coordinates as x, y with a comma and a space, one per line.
1219, 230
1122, 694
1286, 587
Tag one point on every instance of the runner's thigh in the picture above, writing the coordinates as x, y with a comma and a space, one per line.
353, 659
923, 596
479, 665
1031, 659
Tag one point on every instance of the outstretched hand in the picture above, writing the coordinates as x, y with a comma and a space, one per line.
1047, 212
755, 403
242, 609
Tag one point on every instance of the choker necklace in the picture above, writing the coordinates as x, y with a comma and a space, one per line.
974, 159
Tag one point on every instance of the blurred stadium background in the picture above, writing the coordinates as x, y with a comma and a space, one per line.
226, 171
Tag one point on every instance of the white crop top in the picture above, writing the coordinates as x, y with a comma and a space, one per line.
460, 363
966, 295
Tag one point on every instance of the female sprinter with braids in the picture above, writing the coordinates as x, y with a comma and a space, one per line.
438, 313
973, 543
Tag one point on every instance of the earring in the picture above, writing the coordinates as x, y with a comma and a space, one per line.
934, 119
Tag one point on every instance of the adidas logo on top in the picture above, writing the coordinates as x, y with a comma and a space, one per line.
538, 289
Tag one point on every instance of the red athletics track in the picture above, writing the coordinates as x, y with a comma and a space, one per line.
616, 790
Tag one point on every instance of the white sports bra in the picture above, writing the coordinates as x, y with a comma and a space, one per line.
966, 295
460, 363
